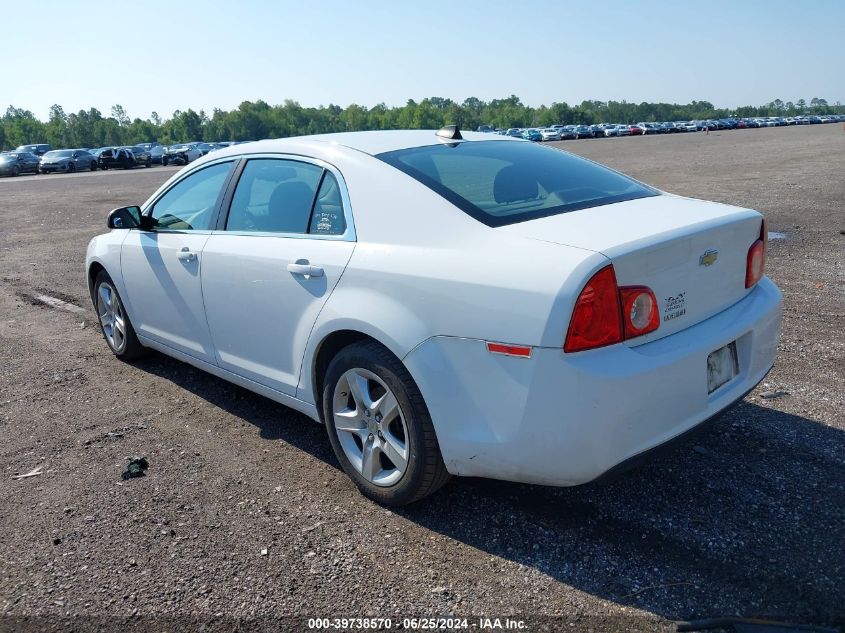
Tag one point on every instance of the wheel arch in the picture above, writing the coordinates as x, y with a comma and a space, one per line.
94, 269
326, 350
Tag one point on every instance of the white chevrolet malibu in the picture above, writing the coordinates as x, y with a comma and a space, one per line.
446, 303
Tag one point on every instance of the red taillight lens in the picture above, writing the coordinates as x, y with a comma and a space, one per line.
596, 319
639, 311
756, 265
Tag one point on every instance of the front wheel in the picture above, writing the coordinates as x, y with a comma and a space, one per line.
114, 322
93, 165
379, 426
149, 163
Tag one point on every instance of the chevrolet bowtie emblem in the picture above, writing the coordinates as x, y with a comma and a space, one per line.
708, 258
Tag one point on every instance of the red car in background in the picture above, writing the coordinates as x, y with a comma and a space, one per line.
635, 129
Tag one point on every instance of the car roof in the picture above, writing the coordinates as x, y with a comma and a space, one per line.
371, 142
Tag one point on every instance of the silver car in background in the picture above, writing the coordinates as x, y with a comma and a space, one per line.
67, 160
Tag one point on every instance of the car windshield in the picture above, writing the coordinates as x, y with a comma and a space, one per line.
59, 153
500, 182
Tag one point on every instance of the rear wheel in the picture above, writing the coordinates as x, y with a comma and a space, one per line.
15, 171
93, 165
71, 167
379, 426
114, 322
149, 162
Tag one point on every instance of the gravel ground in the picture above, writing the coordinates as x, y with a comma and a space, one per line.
245, 514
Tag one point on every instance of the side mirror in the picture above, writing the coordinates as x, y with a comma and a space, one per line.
127, 218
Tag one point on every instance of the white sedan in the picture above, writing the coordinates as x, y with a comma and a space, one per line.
446, 303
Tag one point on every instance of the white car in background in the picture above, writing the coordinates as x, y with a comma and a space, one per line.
550, 134
180, 154
446, 303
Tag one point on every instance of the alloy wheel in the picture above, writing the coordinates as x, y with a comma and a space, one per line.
370, 427
112, 317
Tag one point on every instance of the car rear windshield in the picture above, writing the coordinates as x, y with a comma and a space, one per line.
501, 182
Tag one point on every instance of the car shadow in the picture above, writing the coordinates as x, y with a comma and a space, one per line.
746, 518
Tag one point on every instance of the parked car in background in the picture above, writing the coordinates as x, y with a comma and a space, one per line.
156, 151
567, 132
532, 134
205, 148
550, 134
248, 265
116, 158
141, 155
39, 149
514, 132
583, 131
67, 160
16, 163
180, 154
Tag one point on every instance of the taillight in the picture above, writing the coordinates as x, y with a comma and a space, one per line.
596, 319
755, 266
605, 314
639, 311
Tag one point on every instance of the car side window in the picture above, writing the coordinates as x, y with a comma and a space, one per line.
189, 204
327, 217
274, 196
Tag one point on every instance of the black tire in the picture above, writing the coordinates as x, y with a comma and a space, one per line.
425, 471
93, 165
149, 163
16, 171
163, 161
131, 347
71, 167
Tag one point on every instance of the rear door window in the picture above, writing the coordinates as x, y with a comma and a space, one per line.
277, 196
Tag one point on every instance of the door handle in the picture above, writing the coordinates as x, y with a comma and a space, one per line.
186, 255
304, 268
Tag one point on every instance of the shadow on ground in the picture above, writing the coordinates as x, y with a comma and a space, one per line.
746, 519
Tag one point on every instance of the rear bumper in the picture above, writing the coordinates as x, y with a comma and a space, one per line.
566, 419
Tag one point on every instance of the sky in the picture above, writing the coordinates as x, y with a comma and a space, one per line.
161, 56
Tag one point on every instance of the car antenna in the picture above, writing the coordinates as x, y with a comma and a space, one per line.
451, 132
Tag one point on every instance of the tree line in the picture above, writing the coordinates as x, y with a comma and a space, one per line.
257, 120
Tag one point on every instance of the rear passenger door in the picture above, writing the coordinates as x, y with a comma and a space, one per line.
272, 263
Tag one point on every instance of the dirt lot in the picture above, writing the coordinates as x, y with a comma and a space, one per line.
747, 519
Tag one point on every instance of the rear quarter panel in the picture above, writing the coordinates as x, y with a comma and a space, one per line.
423, 268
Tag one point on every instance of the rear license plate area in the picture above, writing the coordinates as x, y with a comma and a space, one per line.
722, 366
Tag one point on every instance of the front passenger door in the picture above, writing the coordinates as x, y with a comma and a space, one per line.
161, 267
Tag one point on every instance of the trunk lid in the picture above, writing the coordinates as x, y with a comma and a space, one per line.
691, 253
